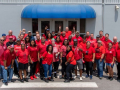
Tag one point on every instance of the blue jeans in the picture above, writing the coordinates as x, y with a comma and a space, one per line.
46, 68
16, 64
1, 72
100, 67
10, 70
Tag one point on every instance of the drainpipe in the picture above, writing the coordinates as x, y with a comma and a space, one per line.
103, 10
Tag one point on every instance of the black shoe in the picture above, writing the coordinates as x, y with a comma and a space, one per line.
100, 78
12, 80
55, 75
62, 78
25, 79
67, 81
50, 79
21, 80
118, 78
6, 83
46, 81
111, 78
41, 78
71, 79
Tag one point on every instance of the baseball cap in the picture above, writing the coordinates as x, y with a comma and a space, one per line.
77, 31
18, 39
75, 40
99, 41
11, 37
98, 36
12, 46
48, 29
29, 31
3, 34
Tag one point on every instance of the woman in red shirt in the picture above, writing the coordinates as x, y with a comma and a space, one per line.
89, 56
109, 59
70, 63
58, 42
22, 58
34, 57
27, 42
63, 57
47, 62
48, 38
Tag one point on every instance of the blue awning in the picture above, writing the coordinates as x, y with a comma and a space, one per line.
58, 11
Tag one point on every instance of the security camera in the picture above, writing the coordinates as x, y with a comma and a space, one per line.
116, 6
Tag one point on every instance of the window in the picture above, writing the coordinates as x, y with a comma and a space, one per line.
57, 24
34, 25
72, 24
43, 25
82, 25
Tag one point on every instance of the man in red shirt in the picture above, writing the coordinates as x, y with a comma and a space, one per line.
22, 40
10, 34
115, 43
107, 40
63, 37
102, 38
53, 34
92, 40
9, 57
23, 32
77, 36
42, 48
87, 35
70, 40
38, 41
78, 57
5, 40
68, 33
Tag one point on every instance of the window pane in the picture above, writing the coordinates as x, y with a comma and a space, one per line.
82, 25
57, 24
72, 24
34, 25
43, 25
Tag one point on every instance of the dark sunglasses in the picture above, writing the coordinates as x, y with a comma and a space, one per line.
2, 40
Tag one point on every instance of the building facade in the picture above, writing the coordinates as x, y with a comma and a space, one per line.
18, 14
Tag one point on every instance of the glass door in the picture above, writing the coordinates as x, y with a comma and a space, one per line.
43, 25
58, 24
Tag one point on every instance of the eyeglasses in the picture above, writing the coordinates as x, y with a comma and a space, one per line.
2, 40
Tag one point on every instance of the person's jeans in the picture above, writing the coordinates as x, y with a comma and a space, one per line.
69, 69
46, 68
100, 67
89, 66
16, 64
10, 70
1, 72
63, 65
41, 69
32, 68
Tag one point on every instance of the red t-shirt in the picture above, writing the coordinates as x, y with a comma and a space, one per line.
49, 41
115, 45
48, 58
87, 38
23, 56
102, 38
38, 42
88, 54
9, 56
56, 49
33, 52
79, 39
42, 48
68, 34
54, 37
58, 44
17, 47
27, 45
92, 42
109, 55
99, 51
14, 37
77, 52
63, 50
72, 60
118, 54
7, 40
63, 38
25, 35
71, 43
83, 44
107, 42
44, 36
22, 41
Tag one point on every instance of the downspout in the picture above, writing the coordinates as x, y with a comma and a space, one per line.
103, 10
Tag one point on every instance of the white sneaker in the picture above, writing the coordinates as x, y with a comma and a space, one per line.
83, 76
75, 76
81, 79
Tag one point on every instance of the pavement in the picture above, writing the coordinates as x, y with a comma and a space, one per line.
58, 84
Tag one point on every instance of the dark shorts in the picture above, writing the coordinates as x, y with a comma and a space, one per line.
22, 66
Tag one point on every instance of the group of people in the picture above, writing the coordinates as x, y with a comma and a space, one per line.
49, 51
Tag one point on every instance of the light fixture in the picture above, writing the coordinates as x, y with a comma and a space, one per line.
116, 7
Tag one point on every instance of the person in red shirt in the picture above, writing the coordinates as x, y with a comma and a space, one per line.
53, 34
46, 32
70, 63
22, 40
92, 40
115, 43
89, 56
77, 36
87, 35
77, 51
35, 37
56, 54
48, 38
9, 57
102, 38
47, 63
68, 33
5, 40
22, 59
73, 32
38, 41
27, 42
33, 56
118, 60
63, 37
63, 57
10, 34
24, 33
107, 40
42, 48
99, 58
83, 44
58, 43
70, 41
109, 59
